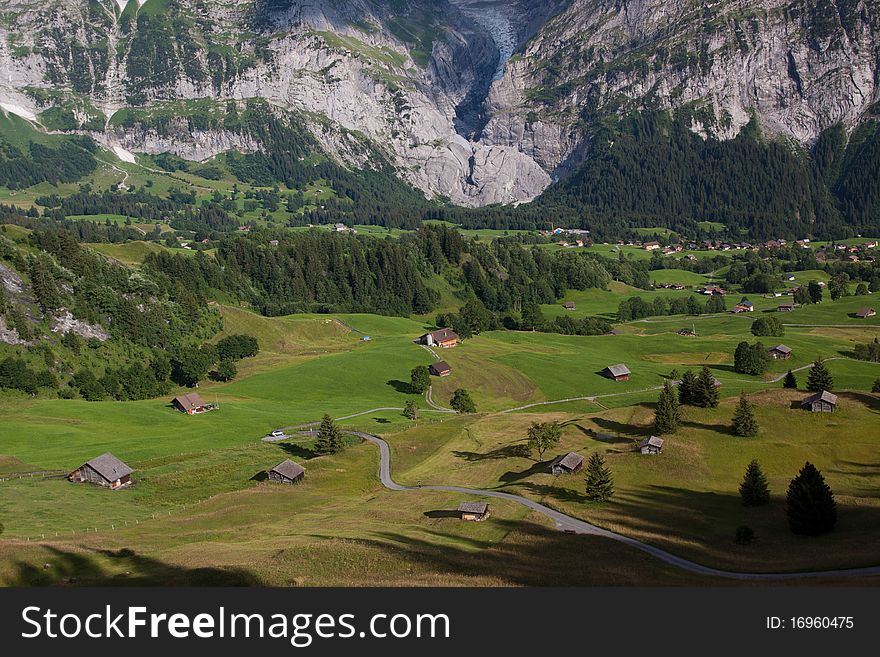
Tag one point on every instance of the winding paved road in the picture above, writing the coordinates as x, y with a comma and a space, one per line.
570, 524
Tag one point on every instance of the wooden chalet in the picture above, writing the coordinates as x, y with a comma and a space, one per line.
821, 402
785, 307
444, 338
440, 368
473, 511
743, 307
570, 305
617, 372
567, 464
686, 332
105, 470
864, 313
780, 352
192, 404
286, 472
651, 445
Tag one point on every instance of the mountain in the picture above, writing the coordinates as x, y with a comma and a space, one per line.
477, 102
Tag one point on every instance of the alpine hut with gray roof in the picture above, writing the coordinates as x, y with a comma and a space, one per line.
286, 472
105, 470
780, 352
567, 464
651, 445
821, 402
473, 511
617, 372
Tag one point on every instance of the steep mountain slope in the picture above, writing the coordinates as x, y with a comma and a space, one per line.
475, 101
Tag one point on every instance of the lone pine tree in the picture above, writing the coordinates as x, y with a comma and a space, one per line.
744, 421
754, 490
790, 381
819, 378
667, 417
687, 388
810, 504
600, 482
329, 437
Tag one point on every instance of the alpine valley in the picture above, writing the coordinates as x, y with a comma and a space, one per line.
759, 114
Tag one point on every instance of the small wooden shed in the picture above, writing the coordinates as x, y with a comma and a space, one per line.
473, 511
440, 368
569, 305
821, 402
191, 404
105, 470
780, 352
651, 445
286, 472
567, 464
617, 372
864, 313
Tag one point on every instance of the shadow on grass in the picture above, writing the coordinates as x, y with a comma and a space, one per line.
517, 450
403, 387
262, 475
297, 450
69, 568
541, 467
442, 514
604, 438
621, 428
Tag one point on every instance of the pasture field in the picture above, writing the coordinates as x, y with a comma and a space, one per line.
199, 513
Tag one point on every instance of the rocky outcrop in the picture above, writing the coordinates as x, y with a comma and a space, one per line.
478, 101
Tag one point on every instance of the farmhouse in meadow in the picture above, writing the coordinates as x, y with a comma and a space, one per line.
821, 402
105, 470
785, 307
864, 313
780, 352
744, 306
651, 445
567, 464
286, 472
440, 368
617, 372
192, 404
473, 511
444, 338
569, 305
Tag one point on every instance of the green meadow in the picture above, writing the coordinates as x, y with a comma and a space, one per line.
198, 511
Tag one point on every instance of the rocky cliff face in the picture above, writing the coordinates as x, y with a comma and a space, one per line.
479, 101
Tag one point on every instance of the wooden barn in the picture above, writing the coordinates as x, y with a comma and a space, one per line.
192, 404
780, 352
473, 511
105, 470
286, 472
821, 402
440, 368
651, 445
567, 464
569, 305
864, 313
617, 372
785, 307
444, 338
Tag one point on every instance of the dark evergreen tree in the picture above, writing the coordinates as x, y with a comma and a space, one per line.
599, 481
744, 421
754, 489
667, 417
819, 378
790, 381
687, 389
810, 504
815, 291
329, 437
706, 392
